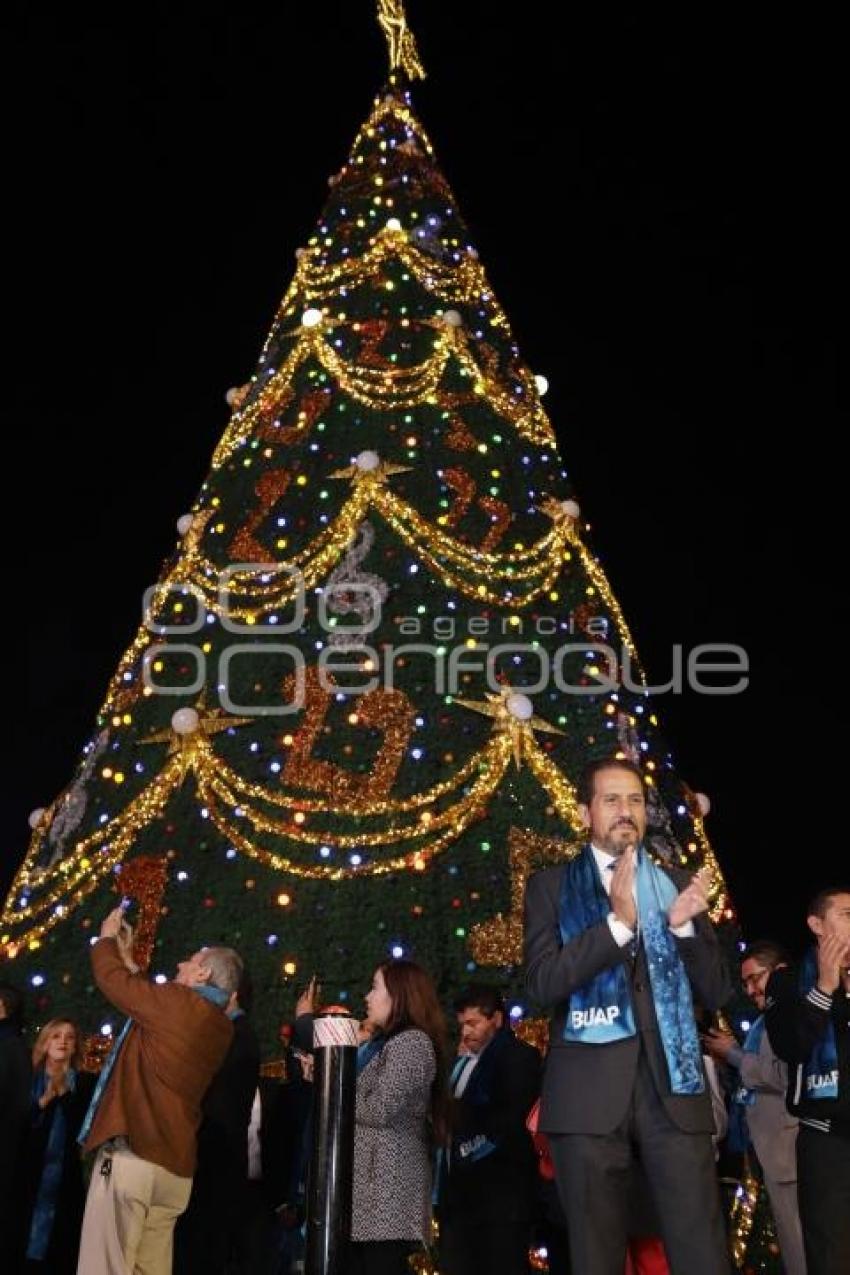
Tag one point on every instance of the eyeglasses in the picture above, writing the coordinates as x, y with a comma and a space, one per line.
753, 980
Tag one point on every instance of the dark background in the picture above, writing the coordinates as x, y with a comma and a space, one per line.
655, 200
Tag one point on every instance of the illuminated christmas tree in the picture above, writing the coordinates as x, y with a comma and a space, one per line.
381, 652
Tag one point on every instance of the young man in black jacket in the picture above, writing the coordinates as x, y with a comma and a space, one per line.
808, 1024
487, 1181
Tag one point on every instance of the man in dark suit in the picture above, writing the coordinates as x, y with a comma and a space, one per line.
209, 1229
276, 1166
614, 945
15, 1101
487, 1185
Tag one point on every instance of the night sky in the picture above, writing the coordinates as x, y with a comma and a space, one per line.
654, 198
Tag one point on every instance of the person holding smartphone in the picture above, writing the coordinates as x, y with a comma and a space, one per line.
146, 1108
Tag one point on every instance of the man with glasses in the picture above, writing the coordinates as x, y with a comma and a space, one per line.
761, 1098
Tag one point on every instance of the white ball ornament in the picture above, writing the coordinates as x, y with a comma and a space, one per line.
367, 461
232, 395
393, 224
452, 319
542, 384
520, 706
571, 508
311, 318
184, 523
704, 804
184, 721
36, 816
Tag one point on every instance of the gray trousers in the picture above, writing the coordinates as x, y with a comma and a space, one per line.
595, 1175
786, 1218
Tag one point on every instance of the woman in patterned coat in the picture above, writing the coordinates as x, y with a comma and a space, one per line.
400, 1117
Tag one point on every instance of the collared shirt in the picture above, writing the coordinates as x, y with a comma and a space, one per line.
255, 1151
621, 932
463, 1069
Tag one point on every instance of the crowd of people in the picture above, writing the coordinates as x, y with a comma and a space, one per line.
605, 1152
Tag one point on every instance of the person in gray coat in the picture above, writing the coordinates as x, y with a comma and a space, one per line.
400, 1116
761, 1097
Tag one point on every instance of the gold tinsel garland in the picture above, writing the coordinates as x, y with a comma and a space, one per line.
741, 1216
393, 388
499, 940
63, 887
248, 592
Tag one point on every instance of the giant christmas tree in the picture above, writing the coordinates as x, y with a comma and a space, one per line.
380, 654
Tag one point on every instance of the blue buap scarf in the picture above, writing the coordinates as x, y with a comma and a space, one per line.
601, 1011
820, 1073
738, 1134
213, 994
752, 1044
369, 1049
44, 1209
479, 1093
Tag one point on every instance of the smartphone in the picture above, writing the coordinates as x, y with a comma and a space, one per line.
129, 908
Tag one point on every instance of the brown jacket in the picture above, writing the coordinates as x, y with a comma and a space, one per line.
171, 1053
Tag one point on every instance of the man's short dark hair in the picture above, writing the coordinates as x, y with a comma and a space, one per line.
587, 780
13, 1003
819, 905
767, 952
482, 996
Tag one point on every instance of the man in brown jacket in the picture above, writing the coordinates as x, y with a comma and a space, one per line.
147, 1108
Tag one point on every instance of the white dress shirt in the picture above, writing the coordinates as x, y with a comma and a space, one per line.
460, 1078
255, 1151
621, 932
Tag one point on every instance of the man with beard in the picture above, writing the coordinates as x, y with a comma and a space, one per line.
615, 946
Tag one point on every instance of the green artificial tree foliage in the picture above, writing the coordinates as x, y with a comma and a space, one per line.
378, 658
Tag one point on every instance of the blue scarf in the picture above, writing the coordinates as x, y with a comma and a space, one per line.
478, 1093
369, 1050
44, 1210
213, 994
743, 1096
820, 1073
601, 1011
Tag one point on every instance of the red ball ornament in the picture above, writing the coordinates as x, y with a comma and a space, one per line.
209, 903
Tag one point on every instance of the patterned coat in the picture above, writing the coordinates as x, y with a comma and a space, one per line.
392, 1157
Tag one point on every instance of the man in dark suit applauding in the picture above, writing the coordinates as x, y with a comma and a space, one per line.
614, 947
487, 1184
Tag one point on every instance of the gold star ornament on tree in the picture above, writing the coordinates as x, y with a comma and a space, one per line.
513, 714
